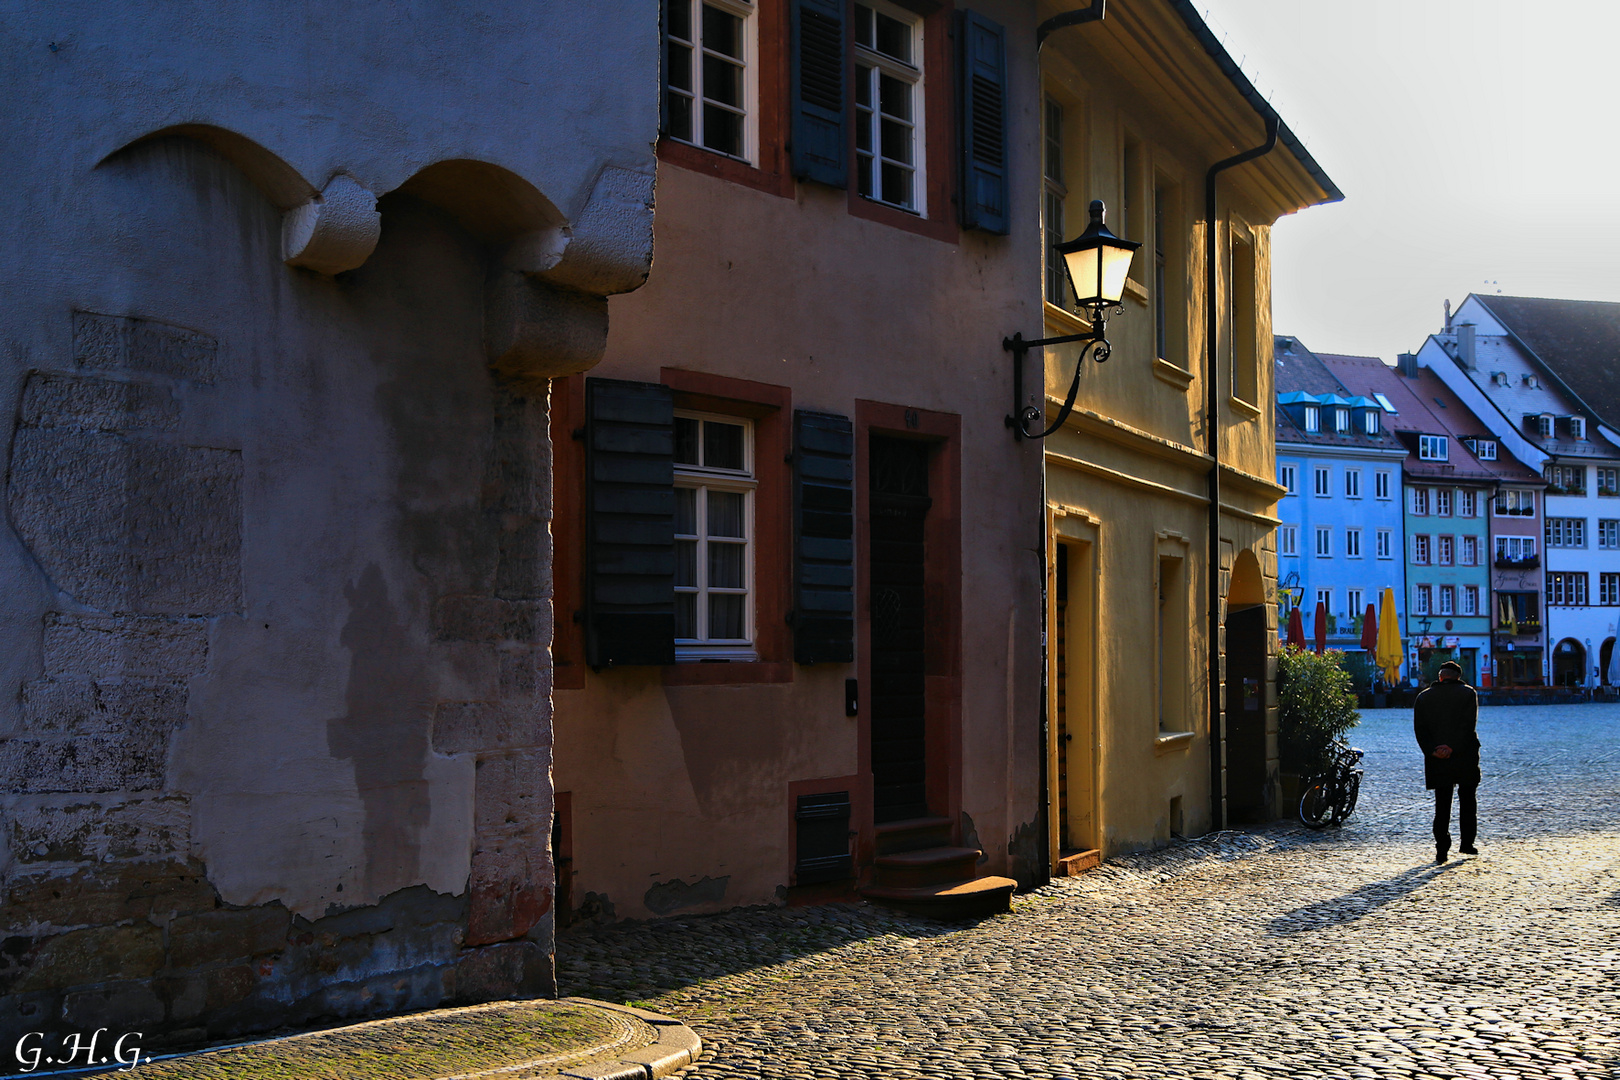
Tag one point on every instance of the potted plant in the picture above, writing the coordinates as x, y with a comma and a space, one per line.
1316, 705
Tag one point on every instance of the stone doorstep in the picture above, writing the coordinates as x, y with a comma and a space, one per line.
1077, 864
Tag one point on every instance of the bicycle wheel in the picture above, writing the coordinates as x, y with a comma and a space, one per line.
1352, 788
1315, 806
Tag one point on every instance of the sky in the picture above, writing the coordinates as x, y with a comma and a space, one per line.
1475, 145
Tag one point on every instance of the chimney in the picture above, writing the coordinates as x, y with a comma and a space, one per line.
1465, 346
1406, 364
1448, 316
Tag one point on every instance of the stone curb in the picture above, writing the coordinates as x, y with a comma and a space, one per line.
676, 1047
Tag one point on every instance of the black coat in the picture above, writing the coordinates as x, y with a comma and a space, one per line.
1446, 715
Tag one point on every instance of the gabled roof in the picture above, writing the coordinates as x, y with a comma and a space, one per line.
1426, 405
1577, 340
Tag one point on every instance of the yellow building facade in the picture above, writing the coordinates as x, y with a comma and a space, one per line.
1137, 108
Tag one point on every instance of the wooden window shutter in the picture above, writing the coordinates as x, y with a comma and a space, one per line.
630, 523
824, 538
820, 57
982, 81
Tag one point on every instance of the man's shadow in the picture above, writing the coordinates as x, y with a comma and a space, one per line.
1357, 903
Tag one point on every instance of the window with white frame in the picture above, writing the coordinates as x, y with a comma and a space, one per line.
1432, 448
1425, 596
1420, 500
1569, 479
1313, 418
1467, 504
1566, 589
1383, 545
888, 105
1577, 427
1370, 422
1448, 600
1325, 598
1324, 482
1420, 549
1442, 501
1566, 532
1381, 484
1287, 476
1288, 540
1352, 483
1544, 426
1485, 449
1469, 555
1608, 482
1515, 503
1608, 533
708, 74
1515, 549
1324, 542
714, 494
1341, 420
1609, 589
1352, 543
1353, 604
1444, 550
1470, 600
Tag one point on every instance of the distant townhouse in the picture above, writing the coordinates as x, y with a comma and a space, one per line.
1340, 541
1447, 492
1518, 361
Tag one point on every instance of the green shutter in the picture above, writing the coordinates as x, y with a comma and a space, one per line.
630, 523
824, 538
820, 57
982, 82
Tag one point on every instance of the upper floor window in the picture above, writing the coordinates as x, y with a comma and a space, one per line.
1567, 479
1286, 476
714, 487
1313, 418
1420, 500
1432, 448
1442, 501
1323, 481
1341, 420
1566, 532
1288, 540
1370, 422
1485, 449
1608, 481
1324, 542
707, 74
1577, 427
1381, 485
1467, 504
1514, 503
1609, 533
888, 99
1057, 277
1352, 483
1420, 549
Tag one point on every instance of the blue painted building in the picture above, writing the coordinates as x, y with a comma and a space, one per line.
1341, 538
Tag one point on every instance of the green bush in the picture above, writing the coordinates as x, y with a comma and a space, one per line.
1363, 670
1315, 704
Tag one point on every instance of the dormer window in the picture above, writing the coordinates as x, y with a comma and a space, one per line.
1370, 422
1432, 448
1341, 420
1577, 427
1544, 426
1313, 418
1485, 449
1499, 378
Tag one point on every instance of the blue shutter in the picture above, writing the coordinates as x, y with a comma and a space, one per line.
824, 538
630, 523
820, 53
982, 80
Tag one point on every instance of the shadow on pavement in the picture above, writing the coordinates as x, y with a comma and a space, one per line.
1357, 903
633, 961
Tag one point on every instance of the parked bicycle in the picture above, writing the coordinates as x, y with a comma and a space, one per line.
1330, 795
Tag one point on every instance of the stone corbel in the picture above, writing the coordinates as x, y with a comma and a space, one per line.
335, 231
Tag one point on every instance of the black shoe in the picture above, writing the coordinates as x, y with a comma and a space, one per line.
1468, 849
1440, 852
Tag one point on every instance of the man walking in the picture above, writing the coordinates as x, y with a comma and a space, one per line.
1444, 720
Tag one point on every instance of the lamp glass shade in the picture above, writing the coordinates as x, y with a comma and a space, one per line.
1098, 262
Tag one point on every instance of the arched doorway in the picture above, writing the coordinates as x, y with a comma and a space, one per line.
1249, 786
1569, 663
1605, 658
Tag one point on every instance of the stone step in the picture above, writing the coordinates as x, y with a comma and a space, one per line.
927, 866
913, 834
1076, 863
953, 900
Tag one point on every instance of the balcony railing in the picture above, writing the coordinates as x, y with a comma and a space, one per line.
1528, 562
1523, 627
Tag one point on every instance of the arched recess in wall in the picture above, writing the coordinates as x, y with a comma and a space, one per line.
494, 204
1247, 588
282, 184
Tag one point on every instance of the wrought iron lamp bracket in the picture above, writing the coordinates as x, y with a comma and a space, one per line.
1025, 418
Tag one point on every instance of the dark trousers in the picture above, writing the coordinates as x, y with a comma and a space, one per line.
1467, 808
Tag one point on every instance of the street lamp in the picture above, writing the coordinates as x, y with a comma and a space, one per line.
1098, 263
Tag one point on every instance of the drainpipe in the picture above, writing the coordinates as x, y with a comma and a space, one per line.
1212, 429
1043, 869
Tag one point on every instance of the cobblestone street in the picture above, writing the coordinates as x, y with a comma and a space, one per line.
1276, 952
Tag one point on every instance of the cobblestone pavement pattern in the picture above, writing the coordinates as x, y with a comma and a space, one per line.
1276, 952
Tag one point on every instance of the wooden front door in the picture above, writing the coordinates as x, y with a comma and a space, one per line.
898, 505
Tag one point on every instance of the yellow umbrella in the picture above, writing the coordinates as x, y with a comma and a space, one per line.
1389, 653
